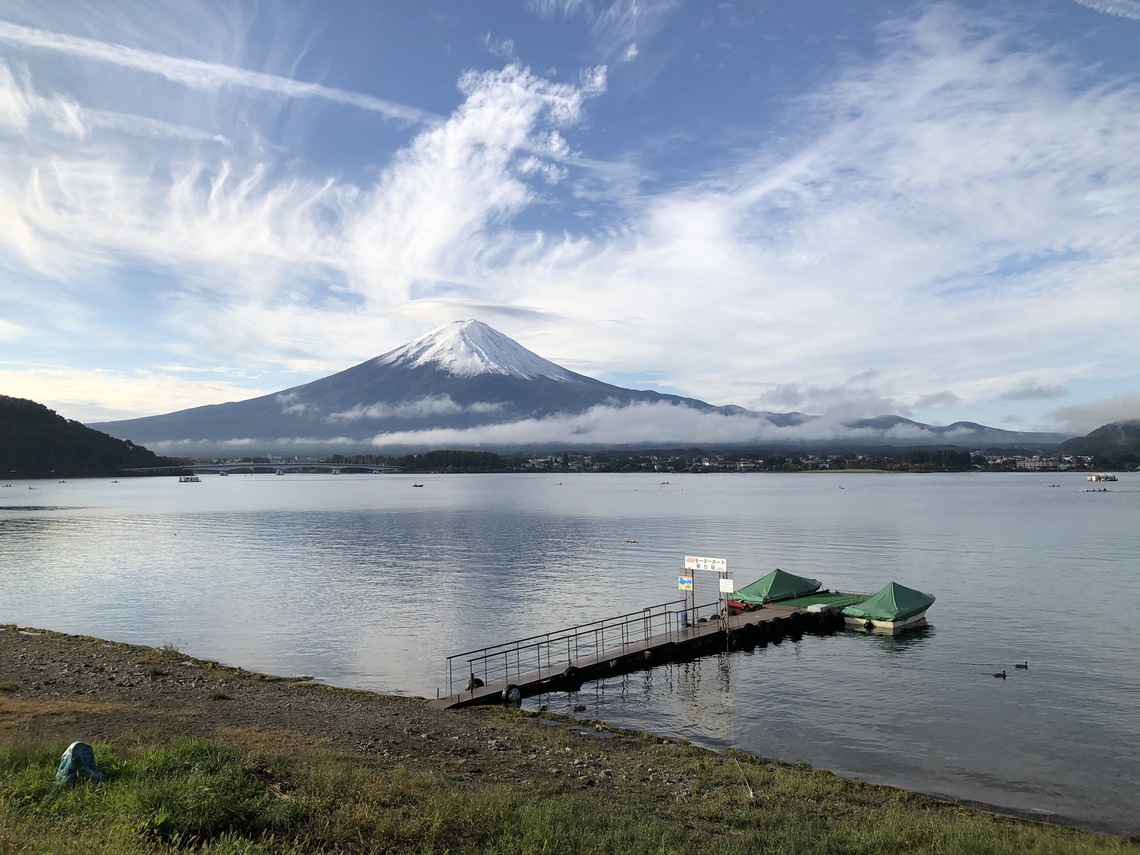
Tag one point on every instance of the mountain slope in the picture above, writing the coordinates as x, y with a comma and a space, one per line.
458, 377
466, 385
1113, 440
36, 441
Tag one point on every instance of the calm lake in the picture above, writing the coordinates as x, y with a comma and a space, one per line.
365, 581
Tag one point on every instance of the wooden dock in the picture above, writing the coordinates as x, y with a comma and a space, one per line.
563, 660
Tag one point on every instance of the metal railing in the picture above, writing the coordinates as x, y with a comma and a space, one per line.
549, 654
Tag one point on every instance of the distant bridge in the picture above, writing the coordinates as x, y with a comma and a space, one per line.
282, 468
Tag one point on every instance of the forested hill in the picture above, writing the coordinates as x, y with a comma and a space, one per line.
37, 442
1115, 445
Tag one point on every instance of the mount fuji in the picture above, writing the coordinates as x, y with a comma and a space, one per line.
466, 385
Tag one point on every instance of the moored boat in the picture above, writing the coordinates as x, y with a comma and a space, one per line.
776, 586
893, 609
1101, 476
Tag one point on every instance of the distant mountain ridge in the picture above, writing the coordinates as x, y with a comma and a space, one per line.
467, 385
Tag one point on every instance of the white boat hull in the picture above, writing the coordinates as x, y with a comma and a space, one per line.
887, 626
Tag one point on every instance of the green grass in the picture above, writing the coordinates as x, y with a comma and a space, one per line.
201, 796
9, 686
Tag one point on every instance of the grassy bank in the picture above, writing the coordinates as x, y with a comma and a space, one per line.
201, 757
261, 792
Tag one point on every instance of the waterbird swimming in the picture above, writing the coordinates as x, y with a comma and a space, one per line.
1000, 674
1024, 666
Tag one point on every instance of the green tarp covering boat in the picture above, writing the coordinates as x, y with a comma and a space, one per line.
894, 603
777, 585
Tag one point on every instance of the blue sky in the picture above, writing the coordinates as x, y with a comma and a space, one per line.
930, 209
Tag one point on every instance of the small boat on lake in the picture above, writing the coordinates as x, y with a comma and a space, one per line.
777, 585
893, 609
1101, 476
188, 479
788, 589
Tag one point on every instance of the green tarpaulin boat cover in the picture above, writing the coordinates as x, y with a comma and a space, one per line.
777, 585
894, 602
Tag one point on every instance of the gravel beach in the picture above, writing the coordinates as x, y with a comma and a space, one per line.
69, 687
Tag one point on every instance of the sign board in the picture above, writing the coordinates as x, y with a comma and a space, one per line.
717, 565
727, 586
685, 583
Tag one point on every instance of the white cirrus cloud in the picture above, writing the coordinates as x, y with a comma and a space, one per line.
20, 105
1120, 8
941, 211
199, 74
438, 207
556, 8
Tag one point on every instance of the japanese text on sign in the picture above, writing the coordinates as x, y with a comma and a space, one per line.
718, 565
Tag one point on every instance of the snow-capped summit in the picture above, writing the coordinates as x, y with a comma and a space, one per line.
470, 348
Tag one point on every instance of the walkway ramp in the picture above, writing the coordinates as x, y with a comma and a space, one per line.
562, 660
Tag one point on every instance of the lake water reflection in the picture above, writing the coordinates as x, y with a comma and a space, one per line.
363, 581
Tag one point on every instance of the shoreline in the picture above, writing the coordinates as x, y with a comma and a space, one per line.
60, 687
